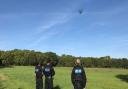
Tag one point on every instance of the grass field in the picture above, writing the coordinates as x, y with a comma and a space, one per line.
98, 78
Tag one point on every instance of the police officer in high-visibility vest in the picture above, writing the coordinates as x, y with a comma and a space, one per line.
49, 73
78, 76
39, 76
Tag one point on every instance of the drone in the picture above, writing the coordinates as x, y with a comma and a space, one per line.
80, 11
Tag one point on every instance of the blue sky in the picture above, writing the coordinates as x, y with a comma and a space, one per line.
56, 25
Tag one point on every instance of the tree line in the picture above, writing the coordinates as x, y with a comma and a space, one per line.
31, 57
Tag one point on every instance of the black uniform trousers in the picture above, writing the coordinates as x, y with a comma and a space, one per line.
39, 83
48, 83
78, 85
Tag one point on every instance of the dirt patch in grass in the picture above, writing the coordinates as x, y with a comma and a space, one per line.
2, 77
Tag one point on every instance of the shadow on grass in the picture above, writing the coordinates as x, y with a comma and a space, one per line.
57, 87
123, 77
1, 85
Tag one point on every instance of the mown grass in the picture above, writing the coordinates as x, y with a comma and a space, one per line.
22, 77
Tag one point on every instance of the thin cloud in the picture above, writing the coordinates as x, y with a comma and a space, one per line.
46, 30
61, 17
43, 38
58, 20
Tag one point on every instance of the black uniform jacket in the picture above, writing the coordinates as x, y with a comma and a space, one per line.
51, 72
38, 71
82, 74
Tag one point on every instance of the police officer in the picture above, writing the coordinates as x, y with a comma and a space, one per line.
49, 73
78, 76
39, 75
